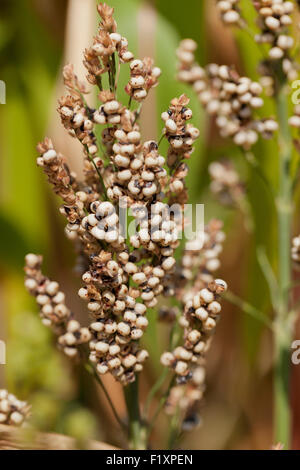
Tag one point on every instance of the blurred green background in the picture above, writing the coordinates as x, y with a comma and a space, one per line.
37, 37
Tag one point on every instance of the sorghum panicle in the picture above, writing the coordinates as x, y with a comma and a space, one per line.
232, 99
53, 309
274, 20
122, 278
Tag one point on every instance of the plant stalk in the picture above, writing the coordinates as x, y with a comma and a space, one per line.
137, 431
282, 330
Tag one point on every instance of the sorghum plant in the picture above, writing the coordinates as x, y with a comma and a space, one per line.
236, 103
126, 274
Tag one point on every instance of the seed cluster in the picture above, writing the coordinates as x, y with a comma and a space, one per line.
225, 182
229, 10
12, 411
100, 58
140, 174
232, 99
181, 137
194, 282
199, 319
200, 260
274, 20
185, 398
143, 77
53, 310
122, 274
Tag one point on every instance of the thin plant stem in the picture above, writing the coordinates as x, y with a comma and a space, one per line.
99, 82
269, 275
160, 140
160, 406
283, 334
137, 113
97, 170
174, 430
174, 338
251, 159
158, 384
248, 308
117, 75
137, 431
92, 371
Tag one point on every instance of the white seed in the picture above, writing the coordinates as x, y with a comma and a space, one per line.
136, 334
168, 263
49, 156
31, 284
294, 121
183, 354
102, 368
140, 309
123, 329
285, 42
98, 233
137, 81
111, 107
231, 16
99, 117
276, 53
114, 349
194, 336
142, 355
16, 418
129, 361
78, 120
171, 126
167, 359
201, 314
209, 324
256, 102
214, 307
97, 326
42, 299
270, 125
272, 23
115, 37
139, 94
105, 208
94, 306
32, 260
181, 368
127, 56
102, 347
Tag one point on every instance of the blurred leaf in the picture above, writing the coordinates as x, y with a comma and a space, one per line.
188, 20
13, 245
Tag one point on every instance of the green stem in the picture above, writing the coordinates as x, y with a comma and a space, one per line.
248, 308
92, 371
283, 334
137, 431
97, 171
129, 102
156, 387
174, 430
160, 406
